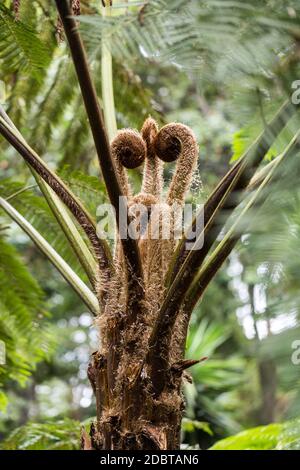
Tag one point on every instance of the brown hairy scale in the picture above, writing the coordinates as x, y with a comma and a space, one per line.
130, 414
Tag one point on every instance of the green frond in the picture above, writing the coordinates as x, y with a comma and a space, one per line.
36, 211
262, 438
57, 94
59, 435
70, 276
131, 94
277, 436
169, 31
239, 47
217, 375
89, 189
77, 147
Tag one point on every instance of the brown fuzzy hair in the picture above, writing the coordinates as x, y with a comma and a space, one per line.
177, 142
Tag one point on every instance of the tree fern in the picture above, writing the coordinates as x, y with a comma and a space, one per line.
183, 42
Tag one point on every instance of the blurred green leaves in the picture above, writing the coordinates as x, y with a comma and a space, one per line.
215, 379
23, 328
221, 67
64, 435
278, 436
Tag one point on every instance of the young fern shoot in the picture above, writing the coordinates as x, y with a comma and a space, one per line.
152, 281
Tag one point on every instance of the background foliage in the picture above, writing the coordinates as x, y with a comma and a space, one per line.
221, 67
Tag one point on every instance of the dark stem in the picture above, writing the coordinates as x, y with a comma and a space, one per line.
205, 214
268, 383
